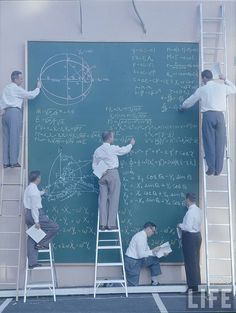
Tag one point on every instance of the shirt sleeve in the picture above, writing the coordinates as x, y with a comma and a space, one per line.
94, 164
141, 249
188, 222
122, 150
34, 208
188, 103
24, 94
230, 87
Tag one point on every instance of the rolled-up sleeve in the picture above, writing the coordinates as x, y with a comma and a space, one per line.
122, 150
188, 103
24, 94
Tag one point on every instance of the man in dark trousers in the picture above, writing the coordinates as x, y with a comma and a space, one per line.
191, 242
212, 97
36, 216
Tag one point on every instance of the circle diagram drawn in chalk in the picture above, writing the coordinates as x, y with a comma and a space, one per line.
66, 79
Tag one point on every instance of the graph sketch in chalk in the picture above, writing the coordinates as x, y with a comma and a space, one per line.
68, 178
66, 79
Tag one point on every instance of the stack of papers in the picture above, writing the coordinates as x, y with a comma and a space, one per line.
36, 234
165, 249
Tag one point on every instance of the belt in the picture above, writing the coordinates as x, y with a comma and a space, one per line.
13, 108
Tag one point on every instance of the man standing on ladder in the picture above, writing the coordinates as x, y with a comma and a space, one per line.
105, 166
12, 99
212, 97
36, 216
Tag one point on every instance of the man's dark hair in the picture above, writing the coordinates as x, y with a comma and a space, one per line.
207, 74
15, 75
191, 196
33, 176
106, 135
149, 224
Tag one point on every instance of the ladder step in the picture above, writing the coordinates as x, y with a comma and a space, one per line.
213, 33
220, 259
40, 268
9, 249
105, 281
215, 241
109, 231
216, 191
218, 207
39, 286
108, 240
110, 264
6, 266
16, 200
11, 184
211, 275
213, 48
44, 251
10, 216
108, 247
212, 19
9, 232
217, 224
7, 283
221, 63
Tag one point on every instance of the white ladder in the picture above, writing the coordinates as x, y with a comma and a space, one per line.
44, 267
12, 221
111, 244
217, 216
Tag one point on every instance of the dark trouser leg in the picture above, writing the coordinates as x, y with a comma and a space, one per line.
103, 201
132, 269
152, 262
5, 139
113, 196
191, 249
32, 253
220, 143
15, 126
49, 227
208, 135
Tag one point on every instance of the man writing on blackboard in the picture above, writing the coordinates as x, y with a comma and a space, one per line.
105, 167
12, 99
212, 96
191, 242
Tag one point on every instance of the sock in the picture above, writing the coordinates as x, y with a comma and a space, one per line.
155, 279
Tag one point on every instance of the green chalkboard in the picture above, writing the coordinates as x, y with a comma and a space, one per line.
135, 90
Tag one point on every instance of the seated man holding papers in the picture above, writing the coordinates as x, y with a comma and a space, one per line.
139, 255
36, 216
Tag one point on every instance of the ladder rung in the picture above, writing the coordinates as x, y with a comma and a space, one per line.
40, 268
110, 264
216, 191
44, 251
221, 63
105, 281
213, 33
220, 259
11, 266
17, 200
39, 285
7, 283
212, 275
109, 231
218, 224
9, 249
107, 240
212, 19
10, 216
108, 247
11, 184
213, 48
218, 207
9, 232
216, 241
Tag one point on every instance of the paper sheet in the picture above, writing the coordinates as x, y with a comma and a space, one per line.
36, 234
100, 169
216, 71
165, 249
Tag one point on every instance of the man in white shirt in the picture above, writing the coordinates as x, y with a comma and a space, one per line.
36, 216
139, 255
109, 183
191, 242
212, 97
12, 99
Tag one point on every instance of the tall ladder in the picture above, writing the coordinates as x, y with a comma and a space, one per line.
109, 240
218, 224
45, 267
12, 221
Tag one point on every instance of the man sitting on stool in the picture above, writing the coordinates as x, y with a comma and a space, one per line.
36, 216
191, 242
139, 255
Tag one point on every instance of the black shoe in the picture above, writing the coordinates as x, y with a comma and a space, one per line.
15, 165
209, 172
40, 247
34, 265
217, 173
6, 165
102, 227
155, 283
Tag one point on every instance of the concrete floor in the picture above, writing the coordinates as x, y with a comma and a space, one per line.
139, 303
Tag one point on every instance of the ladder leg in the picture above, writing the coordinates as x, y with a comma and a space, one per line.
96, 260
26, 280
52, 272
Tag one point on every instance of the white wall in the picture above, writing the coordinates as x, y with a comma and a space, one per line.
106, 20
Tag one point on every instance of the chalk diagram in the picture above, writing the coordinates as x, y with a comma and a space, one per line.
68, 178
66, 79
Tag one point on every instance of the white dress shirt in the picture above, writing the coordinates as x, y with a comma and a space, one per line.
138, 247
13, 96
109, 155
212, 96
192, 220
33, 201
